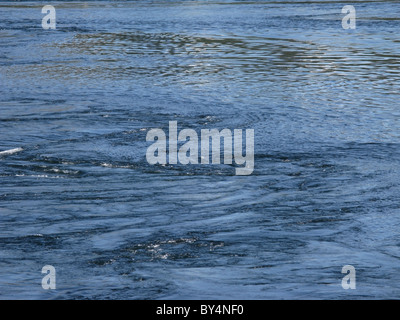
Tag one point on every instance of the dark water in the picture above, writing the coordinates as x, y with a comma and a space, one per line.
79, 100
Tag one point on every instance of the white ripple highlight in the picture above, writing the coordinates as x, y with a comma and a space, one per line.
11, 151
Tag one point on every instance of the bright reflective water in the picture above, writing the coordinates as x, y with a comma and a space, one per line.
80, 195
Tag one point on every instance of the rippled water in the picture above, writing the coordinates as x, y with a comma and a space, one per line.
80, 195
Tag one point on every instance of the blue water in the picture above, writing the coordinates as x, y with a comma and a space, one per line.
80, 195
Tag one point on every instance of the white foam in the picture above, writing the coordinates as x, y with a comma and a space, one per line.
11, 151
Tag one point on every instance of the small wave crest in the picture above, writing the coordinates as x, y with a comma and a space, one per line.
11, 151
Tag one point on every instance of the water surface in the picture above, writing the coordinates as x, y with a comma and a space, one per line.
80, 195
